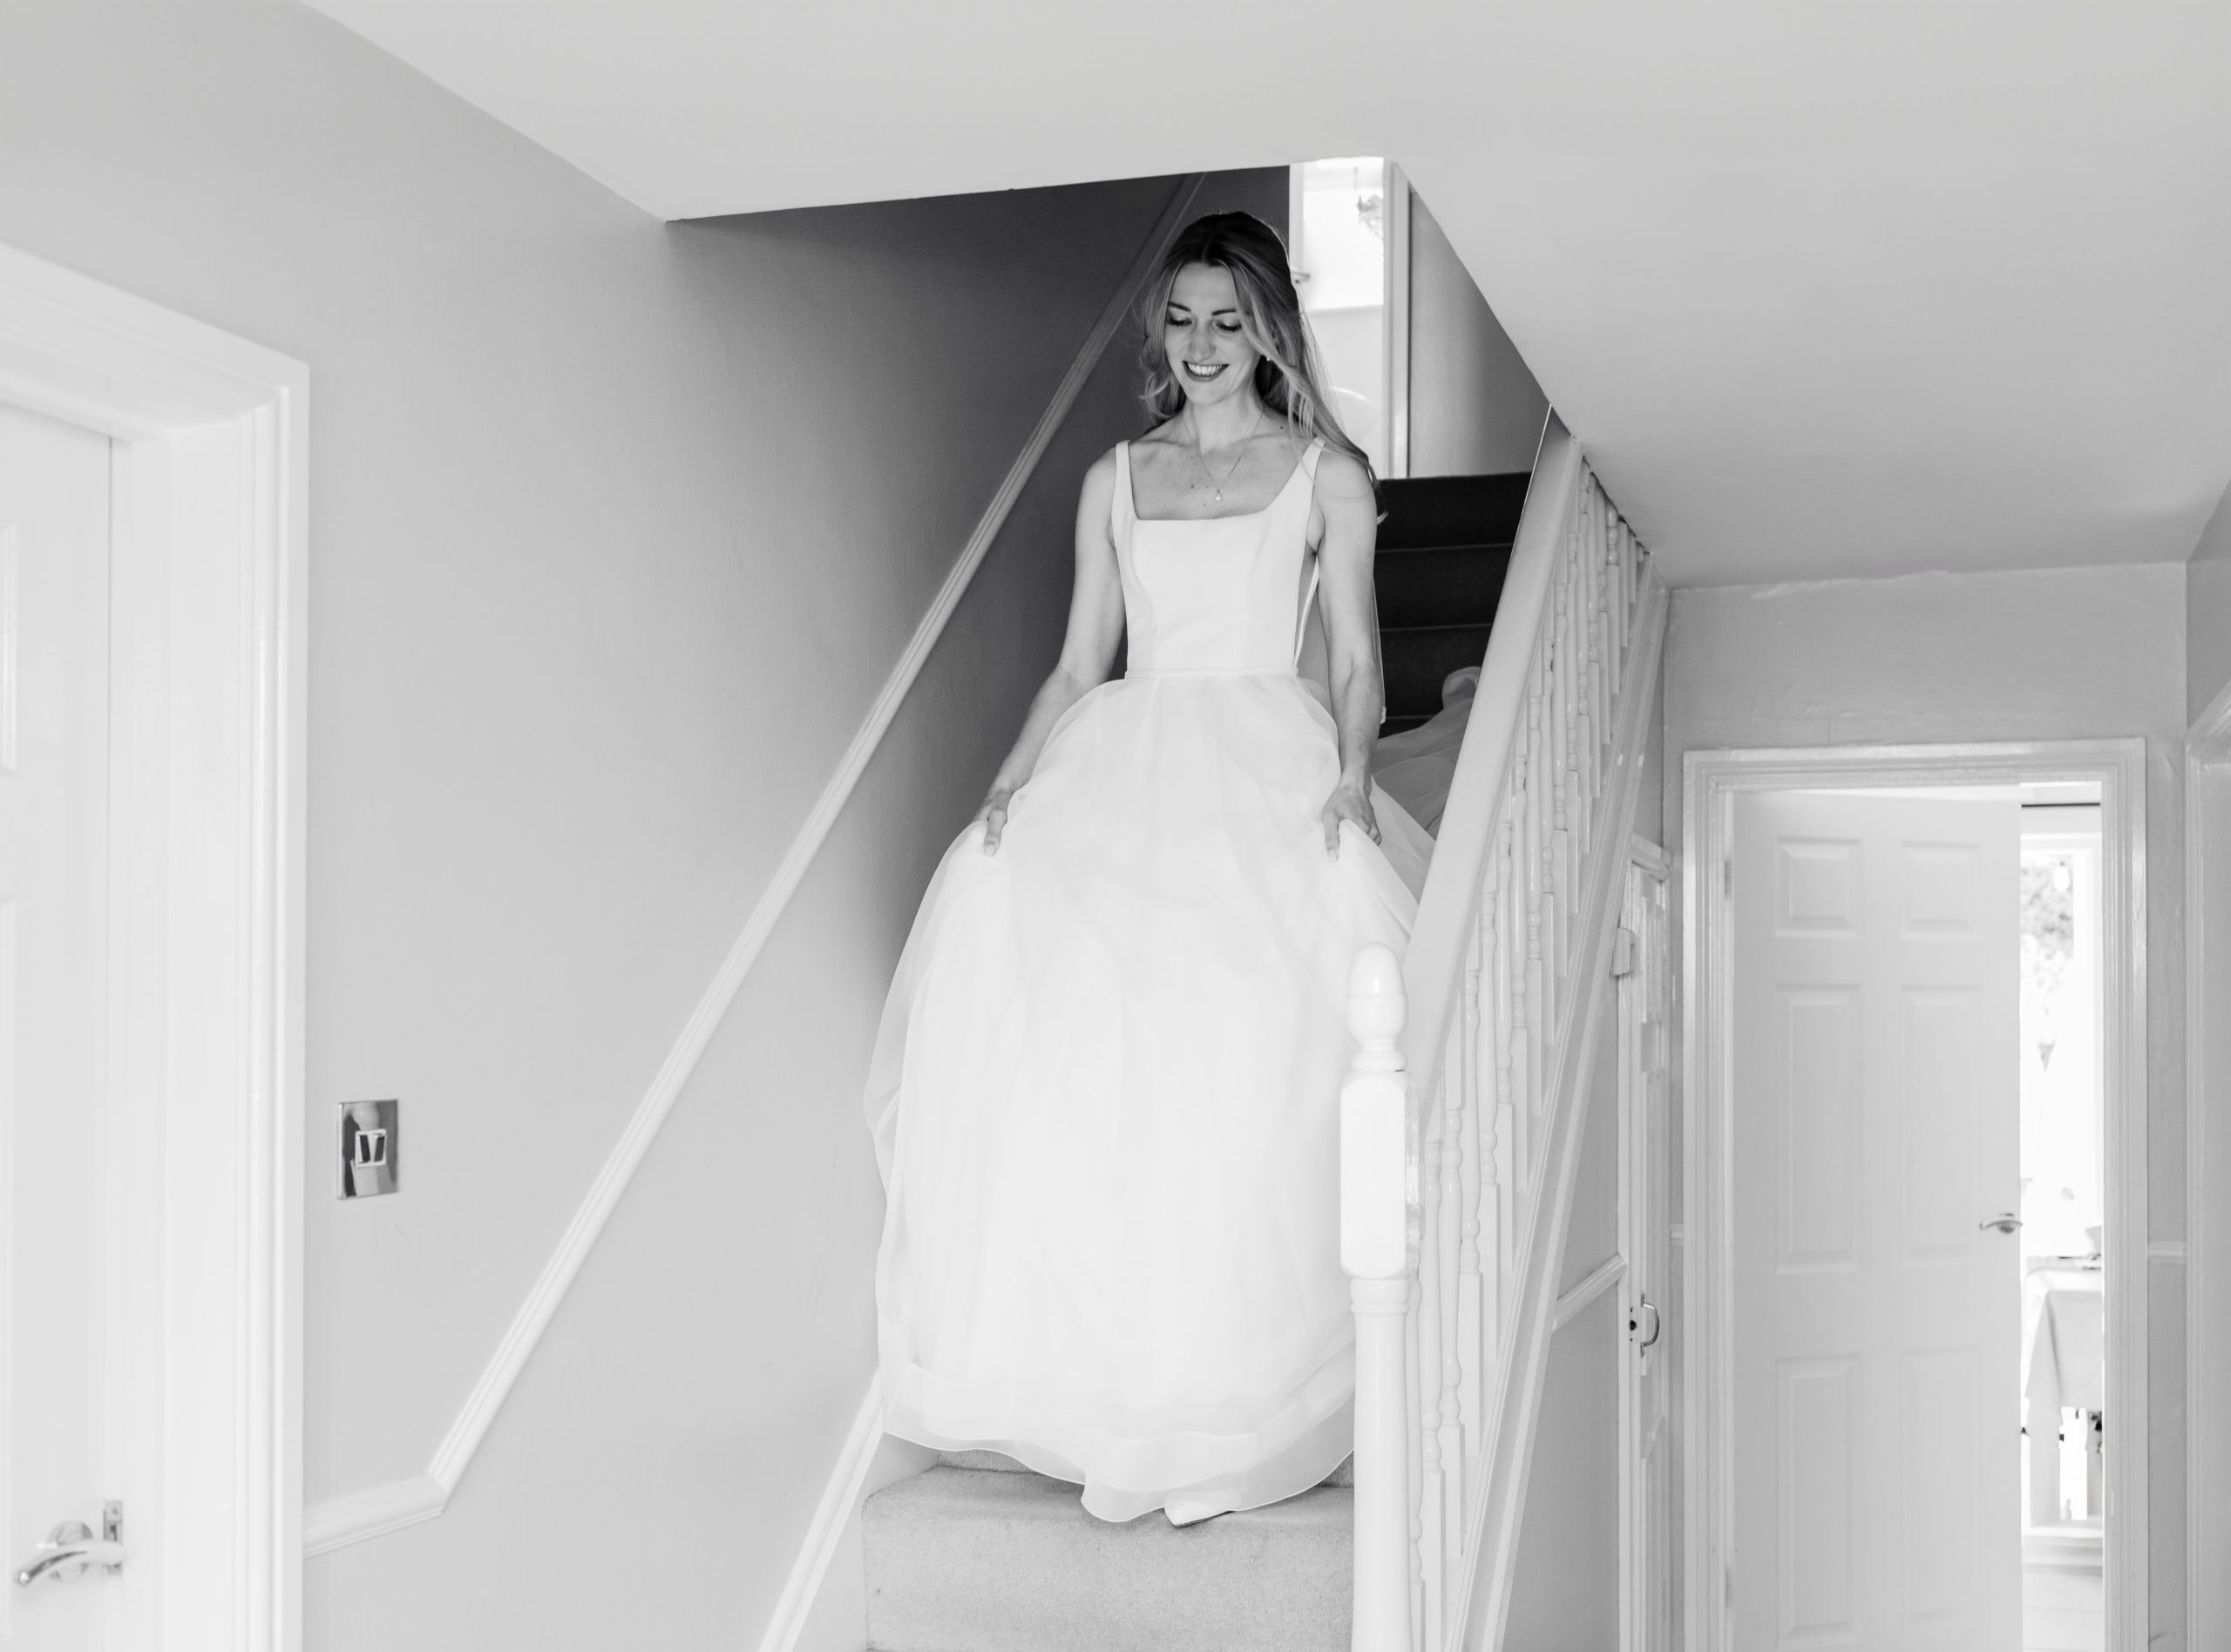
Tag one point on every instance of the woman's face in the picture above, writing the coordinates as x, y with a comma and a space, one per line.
1209, 355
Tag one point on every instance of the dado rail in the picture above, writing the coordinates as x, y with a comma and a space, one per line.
1461, 1121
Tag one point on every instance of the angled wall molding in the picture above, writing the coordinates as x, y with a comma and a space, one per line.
847, 1487
380, 1509
372, 1512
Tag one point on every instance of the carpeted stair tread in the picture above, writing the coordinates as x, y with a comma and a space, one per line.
1417, 660
1000, 1463
1450, 510
997, 1462
1439, 585
1444, 551
980, 1560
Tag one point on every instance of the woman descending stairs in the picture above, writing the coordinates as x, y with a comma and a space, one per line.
980, 1556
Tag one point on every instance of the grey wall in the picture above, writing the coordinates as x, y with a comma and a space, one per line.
616, 530
1474, 408
2058, 655
2207, 613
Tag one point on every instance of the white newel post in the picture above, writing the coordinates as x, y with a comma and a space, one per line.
1374, 1248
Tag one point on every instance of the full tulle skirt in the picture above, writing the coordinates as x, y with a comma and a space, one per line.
1105, 1098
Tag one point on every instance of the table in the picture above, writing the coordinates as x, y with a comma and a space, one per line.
2064, 1366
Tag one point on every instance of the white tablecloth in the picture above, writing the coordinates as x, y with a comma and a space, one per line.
2064, 1338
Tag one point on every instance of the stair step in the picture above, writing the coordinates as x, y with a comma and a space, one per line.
986, 1560
1439, 585
1451, 509
1416, 660
1000, 1463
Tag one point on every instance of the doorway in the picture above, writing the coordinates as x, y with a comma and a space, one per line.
1348, 235
179, 452
1890, 1266
2063, 1286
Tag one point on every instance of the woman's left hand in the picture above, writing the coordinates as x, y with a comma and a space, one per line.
1351, 799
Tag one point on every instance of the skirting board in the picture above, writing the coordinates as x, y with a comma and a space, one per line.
840, 1504
369, 1513
1605, 1275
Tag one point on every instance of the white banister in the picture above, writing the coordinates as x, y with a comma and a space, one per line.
1453, 1210
1374, 1248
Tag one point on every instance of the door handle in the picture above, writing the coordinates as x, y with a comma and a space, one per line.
2005, 1222
1643, 1324
71, 1550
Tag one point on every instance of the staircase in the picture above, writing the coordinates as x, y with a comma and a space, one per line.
1444, 547
976, 1554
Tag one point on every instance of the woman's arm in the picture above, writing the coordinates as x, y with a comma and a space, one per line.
1095, 626
1350, 515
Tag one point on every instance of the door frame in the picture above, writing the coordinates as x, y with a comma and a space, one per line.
2207, 1235
1645, 1530
208, 649
1711, 781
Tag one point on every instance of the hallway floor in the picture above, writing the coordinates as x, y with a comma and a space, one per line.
2063, 1610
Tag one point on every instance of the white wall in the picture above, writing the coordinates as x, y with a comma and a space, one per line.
2208, 613
616, 529
1474, 408
2064, 653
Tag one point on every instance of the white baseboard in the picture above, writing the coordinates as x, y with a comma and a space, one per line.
839, 1506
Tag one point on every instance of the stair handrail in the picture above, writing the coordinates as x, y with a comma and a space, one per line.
1461, 1117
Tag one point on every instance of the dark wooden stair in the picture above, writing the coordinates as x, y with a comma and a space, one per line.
1444, 547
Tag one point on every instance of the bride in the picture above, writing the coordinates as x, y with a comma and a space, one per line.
1105, 1094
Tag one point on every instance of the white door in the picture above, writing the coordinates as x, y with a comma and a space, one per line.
55, 1448
1646, 1224
1875, 1108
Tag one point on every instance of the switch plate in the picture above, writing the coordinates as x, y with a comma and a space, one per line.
368, 1142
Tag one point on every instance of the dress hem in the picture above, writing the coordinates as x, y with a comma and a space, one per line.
1304, 1440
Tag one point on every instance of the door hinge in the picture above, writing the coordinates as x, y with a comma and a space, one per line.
1727, 878
1622, 954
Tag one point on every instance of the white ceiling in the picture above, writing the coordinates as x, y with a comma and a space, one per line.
1825, 289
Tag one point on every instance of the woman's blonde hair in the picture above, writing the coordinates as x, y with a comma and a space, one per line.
1290, 379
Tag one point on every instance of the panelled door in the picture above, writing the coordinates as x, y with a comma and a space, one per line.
55, 1399
1873, 1112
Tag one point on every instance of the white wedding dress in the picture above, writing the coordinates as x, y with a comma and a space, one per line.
1105, 1095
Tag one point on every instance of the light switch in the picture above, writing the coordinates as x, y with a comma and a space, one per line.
367, 1145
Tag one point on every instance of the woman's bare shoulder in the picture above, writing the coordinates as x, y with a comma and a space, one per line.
1342, 477
1097, 494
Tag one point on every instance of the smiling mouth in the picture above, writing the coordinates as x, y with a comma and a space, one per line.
1202, 372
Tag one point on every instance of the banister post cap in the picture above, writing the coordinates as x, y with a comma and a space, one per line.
1376, 973
1377, 1007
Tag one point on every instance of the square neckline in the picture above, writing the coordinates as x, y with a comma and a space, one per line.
1131, 491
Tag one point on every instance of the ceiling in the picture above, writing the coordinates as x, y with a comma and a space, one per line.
1824, 289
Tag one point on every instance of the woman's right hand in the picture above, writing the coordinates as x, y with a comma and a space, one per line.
993, 814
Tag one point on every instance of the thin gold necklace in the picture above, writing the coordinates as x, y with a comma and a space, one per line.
1202, 459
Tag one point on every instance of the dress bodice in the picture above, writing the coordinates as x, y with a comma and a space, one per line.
1222, 594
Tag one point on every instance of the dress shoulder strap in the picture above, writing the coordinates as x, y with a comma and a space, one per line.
1309, 457
1119, 503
